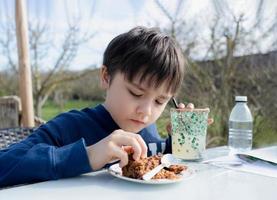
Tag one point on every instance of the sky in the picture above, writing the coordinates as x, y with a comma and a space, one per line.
108, 18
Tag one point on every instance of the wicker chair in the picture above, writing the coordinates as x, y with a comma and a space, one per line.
11, 113
12, 135
10, 108
10, 117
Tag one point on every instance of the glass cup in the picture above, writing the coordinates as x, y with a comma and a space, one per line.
189, 130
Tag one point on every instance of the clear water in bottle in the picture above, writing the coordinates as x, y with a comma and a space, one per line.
240, 126
240, 136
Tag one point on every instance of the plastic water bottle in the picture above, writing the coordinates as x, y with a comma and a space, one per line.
240, 126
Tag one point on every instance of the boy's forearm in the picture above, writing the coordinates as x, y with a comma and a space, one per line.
22, 163
71, 160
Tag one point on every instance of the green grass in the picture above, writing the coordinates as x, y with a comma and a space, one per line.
163, 121
50, 109
264, 134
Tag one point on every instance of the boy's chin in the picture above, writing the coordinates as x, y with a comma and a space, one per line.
133, 129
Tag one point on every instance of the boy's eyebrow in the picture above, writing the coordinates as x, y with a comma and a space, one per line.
143, 89
137, 86
164, 97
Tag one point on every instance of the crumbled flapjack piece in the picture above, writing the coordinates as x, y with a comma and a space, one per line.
165, 174
177, 169
136, 169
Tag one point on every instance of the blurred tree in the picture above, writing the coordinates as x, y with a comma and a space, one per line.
178, 27
225, 69
238, 75
46, 78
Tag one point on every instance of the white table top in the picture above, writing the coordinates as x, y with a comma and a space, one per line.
209, 182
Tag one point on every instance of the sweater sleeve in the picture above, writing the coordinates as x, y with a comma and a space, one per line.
43, 156
151, 137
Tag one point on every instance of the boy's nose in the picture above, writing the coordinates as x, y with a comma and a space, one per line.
145, 109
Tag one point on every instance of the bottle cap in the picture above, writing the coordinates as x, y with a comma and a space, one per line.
241, 98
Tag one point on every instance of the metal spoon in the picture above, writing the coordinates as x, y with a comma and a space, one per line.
166, 161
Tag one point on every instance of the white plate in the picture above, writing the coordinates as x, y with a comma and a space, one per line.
116, 171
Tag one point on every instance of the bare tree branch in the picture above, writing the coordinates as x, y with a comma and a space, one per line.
40, 42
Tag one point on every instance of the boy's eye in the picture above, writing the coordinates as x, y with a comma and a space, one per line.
134, 94
159, 102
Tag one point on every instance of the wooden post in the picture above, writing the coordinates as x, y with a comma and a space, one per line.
25, 80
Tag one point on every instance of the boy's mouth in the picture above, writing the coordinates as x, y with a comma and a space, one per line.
138, 122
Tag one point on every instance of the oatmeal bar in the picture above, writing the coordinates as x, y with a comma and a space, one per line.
136, 169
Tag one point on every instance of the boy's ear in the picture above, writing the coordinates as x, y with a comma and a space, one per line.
104, 77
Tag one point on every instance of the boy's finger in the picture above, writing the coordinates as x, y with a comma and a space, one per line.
143, 146
129, 139
141, 142
210, 121
121, 155
181, 105
129, 150
190, 106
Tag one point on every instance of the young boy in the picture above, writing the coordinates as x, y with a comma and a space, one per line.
142, 69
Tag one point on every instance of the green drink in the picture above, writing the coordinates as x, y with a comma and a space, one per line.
189, 130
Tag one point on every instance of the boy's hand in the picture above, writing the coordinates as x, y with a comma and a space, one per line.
189, 106
113, 147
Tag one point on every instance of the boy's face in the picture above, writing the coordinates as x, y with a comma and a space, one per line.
133, 106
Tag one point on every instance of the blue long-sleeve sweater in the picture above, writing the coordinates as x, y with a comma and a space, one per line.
57, 149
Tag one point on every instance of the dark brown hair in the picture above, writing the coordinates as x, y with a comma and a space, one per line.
147, 54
